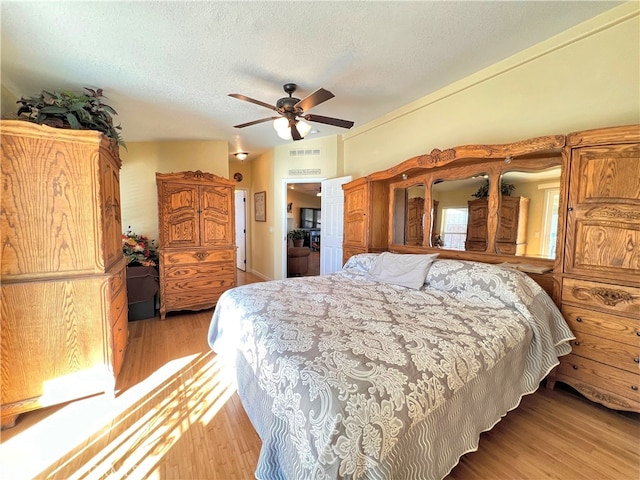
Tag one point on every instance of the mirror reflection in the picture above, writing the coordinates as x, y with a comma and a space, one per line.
409, 210
458, 222
528, 221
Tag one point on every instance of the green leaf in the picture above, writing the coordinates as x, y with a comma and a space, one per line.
53, 109
73, 121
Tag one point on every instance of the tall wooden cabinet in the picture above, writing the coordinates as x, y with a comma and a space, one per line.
511, 236
64, 298
601, 266
363, 200
197, 239
414, 231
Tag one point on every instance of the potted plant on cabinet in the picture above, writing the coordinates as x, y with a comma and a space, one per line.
297, 236
64, 109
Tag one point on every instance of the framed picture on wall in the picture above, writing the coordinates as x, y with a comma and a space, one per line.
260, 206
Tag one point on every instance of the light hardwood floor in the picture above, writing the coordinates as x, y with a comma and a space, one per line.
175, 416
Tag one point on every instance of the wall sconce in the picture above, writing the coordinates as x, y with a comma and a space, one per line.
281, 126
241, 155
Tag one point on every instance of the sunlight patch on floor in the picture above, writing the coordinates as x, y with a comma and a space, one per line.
130, 433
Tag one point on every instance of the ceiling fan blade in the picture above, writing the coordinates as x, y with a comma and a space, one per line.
252, 100
328, 120
255, 122
295, 134
316, 98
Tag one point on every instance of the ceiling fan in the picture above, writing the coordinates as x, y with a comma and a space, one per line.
291, 110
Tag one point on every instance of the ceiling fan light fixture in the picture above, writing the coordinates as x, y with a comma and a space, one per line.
281, 126
303, 127
241, 155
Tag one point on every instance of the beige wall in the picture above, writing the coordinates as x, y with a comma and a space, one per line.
261, 233
586, 77
288, 168
140, 163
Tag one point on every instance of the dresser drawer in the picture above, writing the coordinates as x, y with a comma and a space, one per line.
197, 256
619, 355
200, 284
600, 377
506, 248
118, 304
186, 297
613, 298
120, 332
612, 327
204, 271
118, 281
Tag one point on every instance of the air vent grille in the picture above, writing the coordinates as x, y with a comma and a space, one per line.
304, 152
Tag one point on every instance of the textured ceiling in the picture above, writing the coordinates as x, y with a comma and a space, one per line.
168, 67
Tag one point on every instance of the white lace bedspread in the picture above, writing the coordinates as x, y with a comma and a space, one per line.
348, 378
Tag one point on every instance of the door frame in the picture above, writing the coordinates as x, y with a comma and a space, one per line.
245, 235
283, 208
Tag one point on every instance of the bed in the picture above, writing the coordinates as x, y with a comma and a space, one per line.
390, 368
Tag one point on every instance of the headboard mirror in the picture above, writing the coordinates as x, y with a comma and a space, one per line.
451, 209
408, 208
450, 221
538, 223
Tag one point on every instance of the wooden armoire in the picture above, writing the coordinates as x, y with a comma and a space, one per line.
511, 237
197, 249
601, 266
64, 298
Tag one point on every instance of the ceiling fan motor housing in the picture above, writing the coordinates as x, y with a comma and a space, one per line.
286, 104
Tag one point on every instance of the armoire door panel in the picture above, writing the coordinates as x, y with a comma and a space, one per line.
182, 232
603, 217
112, 224
607, 175
597, 247
215, 213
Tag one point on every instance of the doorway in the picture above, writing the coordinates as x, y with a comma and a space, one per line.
303, 212
241, 229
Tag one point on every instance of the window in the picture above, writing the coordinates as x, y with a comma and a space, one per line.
550, 225
454, 227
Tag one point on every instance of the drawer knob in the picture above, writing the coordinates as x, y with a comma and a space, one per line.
575, 367
638, 333
637, 359
634, 387
576, 343
579, 319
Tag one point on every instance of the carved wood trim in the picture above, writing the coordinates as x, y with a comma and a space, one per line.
190, 176
201, 256
622, 134
600, 396
439, 158
612, 212
608, 296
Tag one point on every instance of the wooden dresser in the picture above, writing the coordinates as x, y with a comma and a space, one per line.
197, 240
601, 267
511, 236
64, 298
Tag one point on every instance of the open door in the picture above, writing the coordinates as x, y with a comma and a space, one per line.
332, 224
241, 229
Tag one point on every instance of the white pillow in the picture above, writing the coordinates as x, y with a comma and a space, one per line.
407, 270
